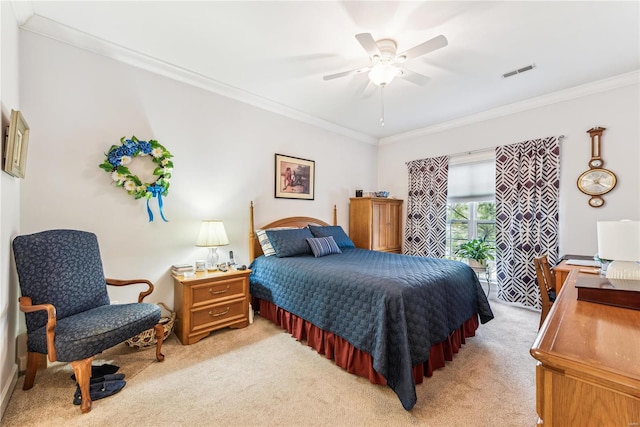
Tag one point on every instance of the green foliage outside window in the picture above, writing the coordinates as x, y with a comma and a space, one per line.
467, 221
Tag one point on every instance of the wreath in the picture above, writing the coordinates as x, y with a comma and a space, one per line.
119, 156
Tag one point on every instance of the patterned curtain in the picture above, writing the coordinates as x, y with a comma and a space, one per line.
425, 233
527, 195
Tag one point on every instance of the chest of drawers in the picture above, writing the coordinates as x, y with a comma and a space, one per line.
210, 301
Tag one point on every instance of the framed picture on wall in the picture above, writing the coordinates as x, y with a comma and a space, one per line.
295, 178
14, 158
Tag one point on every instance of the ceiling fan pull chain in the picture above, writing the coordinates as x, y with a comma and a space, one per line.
382, 106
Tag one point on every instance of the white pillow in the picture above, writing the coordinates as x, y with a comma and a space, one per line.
263, 239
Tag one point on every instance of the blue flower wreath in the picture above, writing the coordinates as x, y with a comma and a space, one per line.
119, 156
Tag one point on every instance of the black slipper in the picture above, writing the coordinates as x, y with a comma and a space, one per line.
99, 390
108, 377
100, 371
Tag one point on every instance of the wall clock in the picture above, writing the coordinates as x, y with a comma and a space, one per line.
597, 180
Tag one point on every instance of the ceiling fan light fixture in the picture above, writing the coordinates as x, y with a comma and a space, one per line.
382, 74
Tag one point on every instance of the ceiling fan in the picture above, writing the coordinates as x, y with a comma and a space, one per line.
385, 61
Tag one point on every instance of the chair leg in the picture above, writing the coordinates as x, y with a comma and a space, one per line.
33, 361
159, 330
82, 369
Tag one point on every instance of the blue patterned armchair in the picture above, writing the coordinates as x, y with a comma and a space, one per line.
66, 305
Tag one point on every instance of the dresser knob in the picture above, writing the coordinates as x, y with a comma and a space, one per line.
212, 314
212, 292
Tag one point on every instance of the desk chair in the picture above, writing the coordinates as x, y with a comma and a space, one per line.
546, 283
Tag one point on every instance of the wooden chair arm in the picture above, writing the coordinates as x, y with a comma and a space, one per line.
116, 282
26, 306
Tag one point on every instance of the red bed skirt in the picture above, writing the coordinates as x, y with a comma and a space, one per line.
356, 361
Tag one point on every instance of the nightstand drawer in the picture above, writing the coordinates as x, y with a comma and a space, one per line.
218, 314
220, 290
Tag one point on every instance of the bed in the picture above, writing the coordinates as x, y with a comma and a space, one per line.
387, 317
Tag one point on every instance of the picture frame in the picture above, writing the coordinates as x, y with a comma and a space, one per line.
294, 178
15, 147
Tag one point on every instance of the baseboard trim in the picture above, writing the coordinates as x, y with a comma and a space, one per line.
8, 388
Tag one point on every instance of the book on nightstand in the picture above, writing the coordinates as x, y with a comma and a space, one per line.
180, 269
616, 292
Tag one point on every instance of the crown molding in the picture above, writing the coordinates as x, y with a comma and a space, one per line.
603, 85
52, 29
22, 10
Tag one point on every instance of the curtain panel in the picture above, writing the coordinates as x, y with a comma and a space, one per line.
425, 231
527, 202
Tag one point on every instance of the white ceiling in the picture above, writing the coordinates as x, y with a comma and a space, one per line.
274, 54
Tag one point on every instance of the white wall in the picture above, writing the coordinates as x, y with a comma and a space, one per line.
617, 110
9, 207
79, 104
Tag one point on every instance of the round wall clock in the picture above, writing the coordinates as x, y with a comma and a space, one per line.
597, 180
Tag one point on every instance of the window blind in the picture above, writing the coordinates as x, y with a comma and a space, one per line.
472, 182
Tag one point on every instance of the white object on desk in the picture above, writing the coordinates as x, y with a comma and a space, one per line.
619, 241
583, 262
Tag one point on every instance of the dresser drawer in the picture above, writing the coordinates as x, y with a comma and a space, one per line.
220, 290
218, 314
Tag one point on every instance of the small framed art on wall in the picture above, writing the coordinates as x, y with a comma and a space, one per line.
15, 147
294, 178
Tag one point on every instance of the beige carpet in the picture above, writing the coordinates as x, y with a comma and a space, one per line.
260, 376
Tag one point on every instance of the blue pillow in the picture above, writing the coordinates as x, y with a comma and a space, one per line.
321, 246
263, 239
290, 242
335, 231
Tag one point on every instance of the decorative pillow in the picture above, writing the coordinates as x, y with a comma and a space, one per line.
290, 242
321, 246
263, 239
335, 231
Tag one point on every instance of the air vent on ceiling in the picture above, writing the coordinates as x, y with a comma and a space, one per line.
518, 71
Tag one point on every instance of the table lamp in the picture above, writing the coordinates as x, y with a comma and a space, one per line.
619, 241
212, 234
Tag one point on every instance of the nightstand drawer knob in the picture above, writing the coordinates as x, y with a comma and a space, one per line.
212, 292
212, 314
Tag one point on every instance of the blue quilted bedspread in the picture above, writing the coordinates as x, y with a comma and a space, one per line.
394, 307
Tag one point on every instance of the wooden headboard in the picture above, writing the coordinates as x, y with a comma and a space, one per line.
255, 250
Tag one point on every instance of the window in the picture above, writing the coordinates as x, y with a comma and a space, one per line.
470, 220
471, 208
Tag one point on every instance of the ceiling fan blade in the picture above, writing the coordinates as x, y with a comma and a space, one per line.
414, 77
369, 44
345, 73
426, 47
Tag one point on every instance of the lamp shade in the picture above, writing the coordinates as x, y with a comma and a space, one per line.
212, 233
619, 240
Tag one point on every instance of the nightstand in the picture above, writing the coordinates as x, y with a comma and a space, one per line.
210, 301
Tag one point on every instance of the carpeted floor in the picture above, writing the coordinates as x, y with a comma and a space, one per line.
260, 376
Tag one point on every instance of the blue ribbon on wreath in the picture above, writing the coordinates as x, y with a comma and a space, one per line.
156, 191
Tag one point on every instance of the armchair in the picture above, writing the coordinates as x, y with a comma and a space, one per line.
67, 310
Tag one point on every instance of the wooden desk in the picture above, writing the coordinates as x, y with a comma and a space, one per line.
562, 271
588, 371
